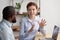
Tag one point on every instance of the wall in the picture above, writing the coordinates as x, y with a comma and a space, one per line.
24, 3
23, 8
50, 10
3, 3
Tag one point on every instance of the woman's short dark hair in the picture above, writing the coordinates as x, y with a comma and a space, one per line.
32, 4
8, 12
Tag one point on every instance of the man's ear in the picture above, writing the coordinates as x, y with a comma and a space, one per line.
11, 17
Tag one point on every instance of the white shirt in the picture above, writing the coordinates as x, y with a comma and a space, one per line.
26, 25
6, 32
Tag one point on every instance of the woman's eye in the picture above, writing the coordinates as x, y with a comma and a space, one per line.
29, 10
33, 9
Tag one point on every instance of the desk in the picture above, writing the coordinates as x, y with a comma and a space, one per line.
48, 35
38, 36
58, 37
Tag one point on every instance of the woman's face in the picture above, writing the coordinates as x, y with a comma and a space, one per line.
32, 11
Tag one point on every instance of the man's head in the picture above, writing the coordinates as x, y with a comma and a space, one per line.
9, 14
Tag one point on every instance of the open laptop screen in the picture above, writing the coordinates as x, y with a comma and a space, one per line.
55, 32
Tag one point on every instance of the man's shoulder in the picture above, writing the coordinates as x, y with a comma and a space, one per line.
2, 25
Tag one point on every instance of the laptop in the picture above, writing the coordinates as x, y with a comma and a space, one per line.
54, 35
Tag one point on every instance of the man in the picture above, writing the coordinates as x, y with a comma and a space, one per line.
9, 17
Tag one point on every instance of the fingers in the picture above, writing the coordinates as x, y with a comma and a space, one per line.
31, 28
42, 23
43, 20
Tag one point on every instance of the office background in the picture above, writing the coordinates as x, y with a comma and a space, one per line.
49, 9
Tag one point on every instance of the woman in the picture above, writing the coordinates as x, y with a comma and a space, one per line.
30, 24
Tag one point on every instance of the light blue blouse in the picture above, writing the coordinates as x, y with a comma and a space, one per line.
26, 25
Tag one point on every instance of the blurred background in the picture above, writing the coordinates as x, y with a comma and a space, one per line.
48, 9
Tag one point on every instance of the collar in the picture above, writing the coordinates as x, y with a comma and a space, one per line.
37, 18
7, 22
31, 20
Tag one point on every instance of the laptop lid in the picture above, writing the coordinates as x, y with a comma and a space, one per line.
55, 32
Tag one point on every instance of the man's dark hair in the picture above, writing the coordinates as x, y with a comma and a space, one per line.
32, 4
8, 12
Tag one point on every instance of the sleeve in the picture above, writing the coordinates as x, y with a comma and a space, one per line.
1, 35
22, 33
40, 29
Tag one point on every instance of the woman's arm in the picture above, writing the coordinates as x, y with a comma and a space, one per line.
41, 26
22, 33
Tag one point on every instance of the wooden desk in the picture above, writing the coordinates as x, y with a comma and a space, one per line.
48, 35
58, 37
38, 36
